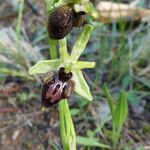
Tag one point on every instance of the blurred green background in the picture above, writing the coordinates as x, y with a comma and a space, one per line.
121, 51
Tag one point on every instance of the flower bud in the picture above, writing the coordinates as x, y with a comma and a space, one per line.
62, 20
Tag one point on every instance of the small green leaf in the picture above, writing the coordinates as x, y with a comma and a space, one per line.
126, 82
81, 87
81, 42
121, 110
44, 66
133, 99
75, 112
90, 142
83, 64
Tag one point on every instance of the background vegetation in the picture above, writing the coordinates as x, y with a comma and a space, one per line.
121, 51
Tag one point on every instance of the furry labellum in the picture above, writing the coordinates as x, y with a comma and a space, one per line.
56, 88
62, 20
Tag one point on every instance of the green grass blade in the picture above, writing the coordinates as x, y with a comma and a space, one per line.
90, 142
121, 110
19, 20
119, 117
109, 98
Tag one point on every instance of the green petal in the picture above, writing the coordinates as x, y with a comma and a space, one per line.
81, 87
82, 65
81, 42
44, 66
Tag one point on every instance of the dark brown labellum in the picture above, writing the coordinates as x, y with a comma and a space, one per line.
62, 20
58, 87
69, 89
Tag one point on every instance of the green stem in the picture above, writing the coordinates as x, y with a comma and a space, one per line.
66, 125
63, 49
52, 49
116, 134
68, 136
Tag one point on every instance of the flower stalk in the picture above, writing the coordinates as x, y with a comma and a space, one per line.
67, 130
71, 64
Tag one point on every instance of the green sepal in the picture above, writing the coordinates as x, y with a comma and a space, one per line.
81, 87
81, 42
44, 66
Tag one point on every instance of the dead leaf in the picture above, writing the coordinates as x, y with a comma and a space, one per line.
115, 12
